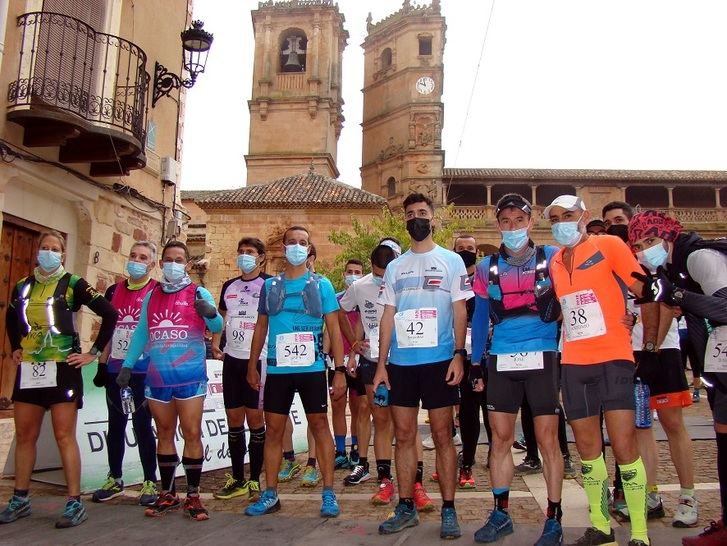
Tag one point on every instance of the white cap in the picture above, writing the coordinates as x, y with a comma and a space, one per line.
392, 245
568, 202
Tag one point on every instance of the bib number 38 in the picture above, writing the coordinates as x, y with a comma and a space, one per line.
582, 316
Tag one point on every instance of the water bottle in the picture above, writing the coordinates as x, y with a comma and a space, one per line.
642, 417
381, 396
127, 401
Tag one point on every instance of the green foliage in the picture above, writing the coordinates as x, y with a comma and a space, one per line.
361, 239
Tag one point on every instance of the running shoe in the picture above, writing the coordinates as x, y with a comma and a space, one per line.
569, 471
428, 443
266, 504
520, 444
110, 489
498, 525
402, 518
435, 476
288, 470
18, 507
618, 508
355, 458
384, 494
311, 476
714, 535
359, 475
329, 504
194, 509
466, 481
74, 514
148, 493
341, 461
232, 488
655, 508
165, 502
450, 526
457, 440
696, 396
594, 537
552, 534
529, 466
421, 500
686, 514
253, 490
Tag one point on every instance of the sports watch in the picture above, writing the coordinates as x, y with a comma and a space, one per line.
462, 352
650, 347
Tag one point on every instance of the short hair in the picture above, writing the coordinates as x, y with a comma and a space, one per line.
295, 228
463, 236
312, 250
613, 205
53, 233
147, 244
354, 261
176, 244
253, 242
382, 256
418, 198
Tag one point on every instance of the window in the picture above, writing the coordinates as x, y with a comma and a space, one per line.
723, 196
293, 48
499, 190
425, 45
386, 58
391, 186
544, 195
694, 197
647, 196
467, 194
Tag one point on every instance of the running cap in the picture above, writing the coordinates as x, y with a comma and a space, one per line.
513, 200
651, 223
568, 202
392, 245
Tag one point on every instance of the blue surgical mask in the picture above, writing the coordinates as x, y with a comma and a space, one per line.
173, 271
516, 239
246, 263
136, 270
567, 233
49, 260
653, 257
350, 279
378, 281
296, 254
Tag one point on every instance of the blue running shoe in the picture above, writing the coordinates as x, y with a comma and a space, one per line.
266, 504
450, 526
18, 507
329, 506
403, 517
498, 525
552, 534
342, 461
74, 514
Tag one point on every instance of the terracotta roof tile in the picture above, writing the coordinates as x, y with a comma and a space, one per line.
587, 174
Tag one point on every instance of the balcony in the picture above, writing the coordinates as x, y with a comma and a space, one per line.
81, 90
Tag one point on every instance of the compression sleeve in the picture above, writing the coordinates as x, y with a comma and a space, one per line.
140, 336
480, 328
216, 323
710, 307
11, 322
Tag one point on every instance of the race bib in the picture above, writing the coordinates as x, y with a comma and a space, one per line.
374, 343
239, 333
416, 328
582, 316
520, 362
38, 375
120, 342
715, 358
296, 349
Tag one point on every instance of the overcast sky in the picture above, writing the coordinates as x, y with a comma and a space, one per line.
611, 84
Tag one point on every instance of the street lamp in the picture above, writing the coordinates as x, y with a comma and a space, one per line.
196, 44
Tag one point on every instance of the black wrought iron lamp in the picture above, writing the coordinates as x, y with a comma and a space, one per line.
196, 44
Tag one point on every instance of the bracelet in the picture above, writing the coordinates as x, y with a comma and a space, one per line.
341, 369
355, 344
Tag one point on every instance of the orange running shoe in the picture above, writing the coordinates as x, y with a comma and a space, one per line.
194, 509
421, 499
384, 494
466, 481
435, 476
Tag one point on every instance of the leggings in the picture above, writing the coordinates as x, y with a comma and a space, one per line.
471, 405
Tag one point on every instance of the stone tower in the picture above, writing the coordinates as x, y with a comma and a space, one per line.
403, 111
296, 105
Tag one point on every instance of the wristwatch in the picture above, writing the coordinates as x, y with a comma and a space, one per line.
650, 347
341, 369
462, 352
678, 295
95, 351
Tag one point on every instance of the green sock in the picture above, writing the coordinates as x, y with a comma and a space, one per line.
634, 480
595, 482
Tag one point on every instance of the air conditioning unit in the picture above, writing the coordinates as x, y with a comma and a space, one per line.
169, 170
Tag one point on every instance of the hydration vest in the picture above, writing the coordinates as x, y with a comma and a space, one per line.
58, 311
311, 293
494, 291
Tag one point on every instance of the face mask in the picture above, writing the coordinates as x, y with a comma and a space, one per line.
350, 279
516, 239
653, 257
136, 270
567, 233
419, 228
49, 260
246, 263
468, 257
173, 271
296, 254
619, 230
378, 281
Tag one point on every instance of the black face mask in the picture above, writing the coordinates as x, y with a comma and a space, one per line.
468, 257
619, 230
419, 228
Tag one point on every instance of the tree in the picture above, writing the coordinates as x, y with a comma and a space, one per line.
359, 241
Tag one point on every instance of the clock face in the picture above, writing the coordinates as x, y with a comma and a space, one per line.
424, 85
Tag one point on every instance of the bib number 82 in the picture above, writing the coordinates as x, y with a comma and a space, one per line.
38, 370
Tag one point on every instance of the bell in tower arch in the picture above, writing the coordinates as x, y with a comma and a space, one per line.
293, 56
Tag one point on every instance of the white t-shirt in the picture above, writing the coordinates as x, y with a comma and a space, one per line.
708, 267
671, 341
239, 299
363, 294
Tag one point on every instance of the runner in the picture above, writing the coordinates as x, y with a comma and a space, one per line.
127, 296
589, 275
691, 273
238, 306
47, 351
293, 308
171, 327
523, 361
424, 324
